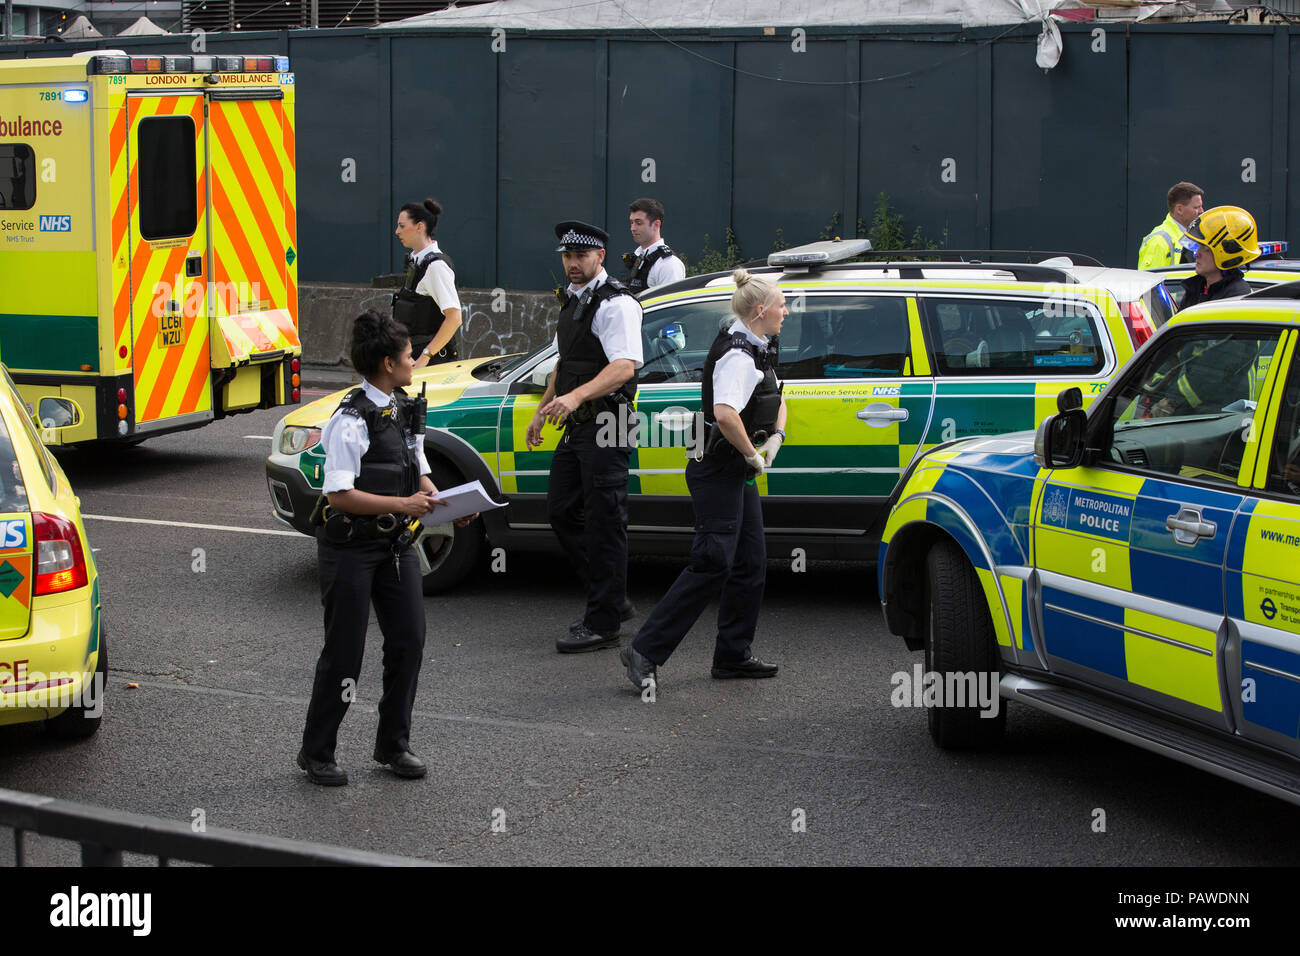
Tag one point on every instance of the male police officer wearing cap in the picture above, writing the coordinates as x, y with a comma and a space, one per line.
598, 335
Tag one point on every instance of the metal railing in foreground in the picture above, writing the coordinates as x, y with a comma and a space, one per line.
104, 835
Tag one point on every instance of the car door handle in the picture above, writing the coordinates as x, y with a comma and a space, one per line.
1188, 526
880, 415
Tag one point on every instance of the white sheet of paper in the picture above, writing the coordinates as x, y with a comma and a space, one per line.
461, 501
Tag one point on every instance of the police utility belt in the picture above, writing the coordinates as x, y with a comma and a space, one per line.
340, 527
592, 407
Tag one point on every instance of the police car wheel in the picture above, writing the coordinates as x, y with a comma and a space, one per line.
449, 560
960, 640
78, 723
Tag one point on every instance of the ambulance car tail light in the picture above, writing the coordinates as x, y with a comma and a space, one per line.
230, 64
1139, 326
178, 64
74, 96
203, 64
295, 365
258, 64
146, 64
60, 562
296, 395
121, 395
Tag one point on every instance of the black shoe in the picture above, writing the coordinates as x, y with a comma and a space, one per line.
626, 611
750, 668
403, 763
583, 638
640, 669
324, 772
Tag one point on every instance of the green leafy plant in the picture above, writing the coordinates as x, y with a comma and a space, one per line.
711, 260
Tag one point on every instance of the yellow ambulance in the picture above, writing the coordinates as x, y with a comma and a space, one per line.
148, 238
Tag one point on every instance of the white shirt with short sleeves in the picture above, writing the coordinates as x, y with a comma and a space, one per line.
735, 376
438, 281
668, 269
617, 323
346, 438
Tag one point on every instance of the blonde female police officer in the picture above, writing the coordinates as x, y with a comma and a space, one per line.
376, 482
427, 303
743, 407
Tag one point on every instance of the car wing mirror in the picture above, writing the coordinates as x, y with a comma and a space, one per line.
542, 373
58, 413
1060, 439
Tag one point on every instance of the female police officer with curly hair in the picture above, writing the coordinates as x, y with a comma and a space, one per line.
742, 404
377, 484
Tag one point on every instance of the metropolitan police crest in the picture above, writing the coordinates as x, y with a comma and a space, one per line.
1056, 507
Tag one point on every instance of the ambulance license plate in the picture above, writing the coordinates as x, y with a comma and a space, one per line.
171, 331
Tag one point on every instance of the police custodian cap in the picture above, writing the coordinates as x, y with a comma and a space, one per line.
580, 235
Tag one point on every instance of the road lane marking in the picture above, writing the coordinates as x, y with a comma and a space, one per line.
190, 524
263, 437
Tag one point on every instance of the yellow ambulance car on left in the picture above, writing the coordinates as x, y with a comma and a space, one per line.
53, 662
148, 238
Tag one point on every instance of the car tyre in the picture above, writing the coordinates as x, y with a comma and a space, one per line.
450, 559
959, 639
78, 723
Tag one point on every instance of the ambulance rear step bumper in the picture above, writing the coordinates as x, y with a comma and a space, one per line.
1235, 759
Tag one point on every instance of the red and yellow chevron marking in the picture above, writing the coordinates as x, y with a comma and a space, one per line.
169, 380
249, 213
121, 214
291, 211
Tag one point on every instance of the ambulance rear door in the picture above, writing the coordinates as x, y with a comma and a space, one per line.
254, 301
168, 239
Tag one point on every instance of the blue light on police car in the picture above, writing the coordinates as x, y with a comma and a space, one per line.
74, 96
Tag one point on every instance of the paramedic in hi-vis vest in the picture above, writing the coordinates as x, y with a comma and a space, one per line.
1163, 245
427, 304
745, 412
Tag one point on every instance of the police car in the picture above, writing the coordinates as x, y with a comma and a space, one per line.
1134, 568
1268, 270
880, 360
53, 661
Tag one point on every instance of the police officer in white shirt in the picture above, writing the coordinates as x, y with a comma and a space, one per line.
377, 485
427, 303
743, 407
653, 263
598, 335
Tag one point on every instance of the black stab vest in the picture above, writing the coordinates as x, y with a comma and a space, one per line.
419, 313
760, 413
638, 276
582, 357
390, 465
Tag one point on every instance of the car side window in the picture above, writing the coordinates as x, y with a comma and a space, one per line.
29, 431
675, 340
1284, 461
845, 337
1188, 408
13, 493
985, 336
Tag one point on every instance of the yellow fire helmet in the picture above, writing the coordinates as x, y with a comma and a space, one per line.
1229, 232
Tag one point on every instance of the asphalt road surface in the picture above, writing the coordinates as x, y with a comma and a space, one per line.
213, 610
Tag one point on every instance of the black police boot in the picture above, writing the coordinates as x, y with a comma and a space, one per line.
403, 763
640, 669
626, 611
748, 668
582, 638
325, 773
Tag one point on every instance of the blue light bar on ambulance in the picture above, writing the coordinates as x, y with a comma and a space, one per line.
1273, 248
282, 64
74, 96
820, 253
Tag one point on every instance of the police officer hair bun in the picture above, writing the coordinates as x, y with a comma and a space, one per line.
434, 207
426, 212
751, 292
376, 337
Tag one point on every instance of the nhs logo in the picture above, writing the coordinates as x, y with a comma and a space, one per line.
13, 533
56, 224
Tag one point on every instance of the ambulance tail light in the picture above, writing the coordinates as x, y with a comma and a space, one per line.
259, 64
178, 64
203, 64
103, 65
146, 64
1139, 325
230, 64
60, 560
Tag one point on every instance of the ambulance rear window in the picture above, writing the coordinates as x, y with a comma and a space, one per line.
168, 178
17, 176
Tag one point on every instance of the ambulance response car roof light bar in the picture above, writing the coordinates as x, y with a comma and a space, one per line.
807, 257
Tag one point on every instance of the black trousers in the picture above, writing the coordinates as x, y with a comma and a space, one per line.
586, 500
729, 555
351, 578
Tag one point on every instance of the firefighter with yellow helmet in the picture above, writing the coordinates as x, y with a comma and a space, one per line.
1222, 239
